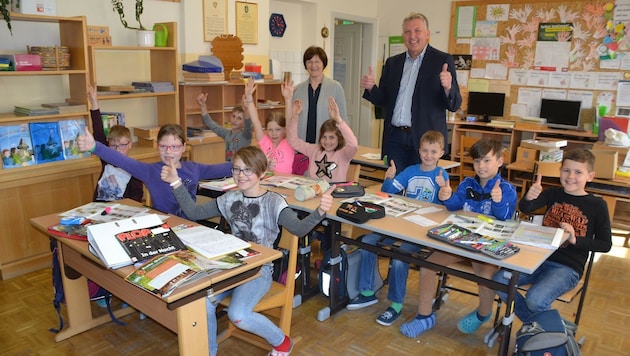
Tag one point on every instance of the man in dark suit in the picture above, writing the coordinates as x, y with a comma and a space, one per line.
416, 88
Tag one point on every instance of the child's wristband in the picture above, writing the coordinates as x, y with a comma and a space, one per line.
91, 150
173, 184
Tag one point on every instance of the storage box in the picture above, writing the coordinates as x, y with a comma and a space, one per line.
98, 30
39, 7
552, 156
26, 62
146, 132
526, 154
99, 41
621, 155
605, 163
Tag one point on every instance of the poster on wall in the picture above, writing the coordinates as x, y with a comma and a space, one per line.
396, 45
214, 19
247, 22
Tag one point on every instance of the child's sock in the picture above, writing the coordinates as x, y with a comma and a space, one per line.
367, 293
417, 326
285, 346
481, 318
397, 307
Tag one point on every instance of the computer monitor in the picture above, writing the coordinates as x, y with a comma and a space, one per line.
485, 104
561, 114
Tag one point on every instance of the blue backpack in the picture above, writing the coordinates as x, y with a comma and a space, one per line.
96, 292
546, 334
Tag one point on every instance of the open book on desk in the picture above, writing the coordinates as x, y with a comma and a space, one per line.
101, 212
520, 232
164, 273
290, 182
219, 185
211, 243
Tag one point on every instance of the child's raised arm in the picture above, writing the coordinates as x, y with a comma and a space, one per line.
250, 106
86, 142
201, 100
91, 94
333, 110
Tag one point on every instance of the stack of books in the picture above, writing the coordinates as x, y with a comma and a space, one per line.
5, 64
155, 87
66, 108
34, 111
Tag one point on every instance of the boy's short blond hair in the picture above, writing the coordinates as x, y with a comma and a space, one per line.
117, 132
580, 155
432, 136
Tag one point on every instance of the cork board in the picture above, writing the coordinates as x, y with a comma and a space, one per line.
511, 38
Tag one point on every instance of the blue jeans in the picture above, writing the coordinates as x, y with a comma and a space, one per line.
244, 299
402, 149
547, 283
398, 272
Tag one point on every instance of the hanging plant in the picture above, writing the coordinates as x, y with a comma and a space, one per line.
118, 7
5, 9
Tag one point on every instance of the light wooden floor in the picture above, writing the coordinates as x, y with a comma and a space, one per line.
26, 314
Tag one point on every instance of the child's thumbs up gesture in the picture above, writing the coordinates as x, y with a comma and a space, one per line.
496, 193
325, 202
86, 143
445, 186
169, 173
536, 188
391, 170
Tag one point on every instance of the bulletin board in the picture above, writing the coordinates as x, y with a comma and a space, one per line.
573, 50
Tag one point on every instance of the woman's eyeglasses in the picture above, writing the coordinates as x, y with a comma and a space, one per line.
246, 171
173, 148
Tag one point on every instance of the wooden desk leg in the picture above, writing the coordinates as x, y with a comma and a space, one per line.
192, 328
78, 305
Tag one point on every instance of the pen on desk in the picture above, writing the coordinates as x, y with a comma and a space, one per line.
106, 211
470, 242
465, 219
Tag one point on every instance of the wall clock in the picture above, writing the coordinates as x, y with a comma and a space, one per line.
277, 25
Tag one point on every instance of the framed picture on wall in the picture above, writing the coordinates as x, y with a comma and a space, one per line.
214, 19
247, 22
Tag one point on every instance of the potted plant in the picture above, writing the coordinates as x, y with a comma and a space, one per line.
120, 9
146, 38
5, 8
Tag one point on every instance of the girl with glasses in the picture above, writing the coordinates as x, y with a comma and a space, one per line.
254, 214
171, 141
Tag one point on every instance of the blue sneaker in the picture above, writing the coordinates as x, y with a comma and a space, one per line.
361, 302
388, 317
470, 323
101, 303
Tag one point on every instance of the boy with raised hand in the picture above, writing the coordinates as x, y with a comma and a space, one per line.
240, 133
582, 215
420, 182
486, 193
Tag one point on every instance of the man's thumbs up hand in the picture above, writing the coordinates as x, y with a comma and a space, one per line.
445, 78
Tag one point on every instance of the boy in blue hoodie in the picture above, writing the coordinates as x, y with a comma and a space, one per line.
485, 193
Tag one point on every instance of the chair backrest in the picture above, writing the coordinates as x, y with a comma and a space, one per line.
354, 171
466, 168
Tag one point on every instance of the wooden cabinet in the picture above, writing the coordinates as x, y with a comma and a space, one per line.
222, 98
41, 189
162, 62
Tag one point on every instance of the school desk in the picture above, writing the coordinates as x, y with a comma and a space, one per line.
527, 260
183, 312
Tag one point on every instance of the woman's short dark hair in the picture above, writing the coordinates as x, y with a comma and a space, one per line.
313, 51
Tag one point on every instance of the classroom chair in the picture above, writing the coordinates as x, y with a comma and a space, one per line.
277, 303
466, 168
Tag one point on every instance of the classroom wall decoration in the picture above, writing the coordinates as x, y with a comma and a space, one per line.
529, 50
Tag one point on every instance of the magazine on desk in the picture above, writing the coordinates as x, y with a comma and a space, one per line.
163, 274
96, 211
520, 232
124, 242
290, 182
394, 206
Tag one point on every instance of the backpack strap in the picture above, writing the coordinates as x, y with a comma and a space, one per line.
57, 283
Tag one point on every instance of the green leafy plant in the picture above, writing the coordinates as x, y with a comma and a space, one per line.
120, 9
5, 9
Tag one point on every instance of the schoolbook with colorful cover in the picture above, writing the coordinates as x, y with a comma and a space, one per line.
70, 130
47, 144
16, 146
163, 274
124, 242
